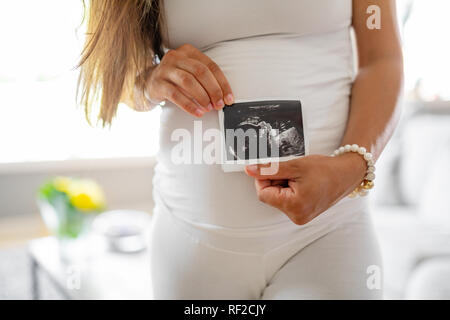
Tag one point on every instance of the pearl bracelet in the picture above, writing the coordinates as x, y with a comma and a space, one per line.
367, 183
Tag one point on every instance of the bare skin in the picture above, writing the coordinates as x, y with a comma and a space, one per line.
306, 187
191, 80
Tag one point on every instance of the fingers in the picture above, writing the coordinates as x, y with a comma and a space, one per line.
190, 87
190, 79
281, 183
261, 184
275, 170
206, 79
286, 199
226, 88
174, 94
225, 95
272, 194
268, 183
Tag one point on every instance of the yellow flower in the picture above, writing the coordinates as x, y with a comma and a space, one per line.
62, 184
84, 202
84, 194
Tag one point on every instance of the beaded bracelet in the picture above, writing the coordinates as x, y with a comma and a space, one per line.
367, 183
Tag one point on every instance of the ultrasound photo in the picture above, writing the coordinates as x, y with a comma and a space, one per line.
265, 129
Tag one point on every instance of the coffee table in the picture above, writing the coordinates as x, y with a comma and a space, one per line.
102, 275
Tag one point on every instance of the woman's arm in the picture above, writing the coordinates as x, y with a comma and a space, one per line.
316, 182
374, 110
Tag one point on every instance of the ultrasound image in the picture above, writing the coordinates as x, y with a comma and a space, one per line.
272, 129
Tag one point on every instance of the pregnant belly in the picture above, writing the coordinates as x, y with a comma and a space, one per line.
315, 69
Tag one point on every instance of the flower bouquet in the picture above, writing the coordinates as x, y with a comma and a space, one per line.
68, 206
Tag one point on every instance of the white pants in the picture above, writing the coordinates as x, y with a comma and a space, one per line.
192, 263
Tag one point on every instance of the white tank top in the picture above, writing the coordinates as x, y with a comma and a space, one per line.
204, 23
287, 48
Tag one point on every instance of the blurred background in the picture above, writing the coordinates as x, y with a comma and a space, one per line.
102, 177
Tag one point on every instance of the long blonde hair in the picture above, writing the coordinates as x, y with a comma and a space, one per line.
123, 39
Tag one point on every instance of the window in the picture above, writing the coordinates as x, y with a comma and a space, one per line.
39, 118
427, 50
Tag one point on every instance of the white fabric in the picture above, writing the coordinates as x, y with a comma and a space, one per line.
204, 23
191, 263
301, 48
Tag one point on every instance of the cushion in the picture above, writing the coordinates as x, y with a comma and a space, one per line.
422, 137
434, 208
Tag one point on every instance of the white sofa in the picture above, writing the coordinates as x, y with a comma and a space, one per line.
411, 207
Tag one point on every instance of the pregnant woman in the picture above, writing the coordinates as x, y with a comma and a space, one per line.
293, 234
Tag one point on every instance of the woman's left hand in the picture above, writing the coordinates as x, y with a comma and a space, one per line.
304, 188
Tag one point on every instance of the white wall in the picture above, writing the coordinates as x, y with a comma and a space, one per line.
127, 182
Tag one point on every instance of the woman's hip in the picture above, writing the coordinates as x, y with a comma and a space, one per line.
251, 227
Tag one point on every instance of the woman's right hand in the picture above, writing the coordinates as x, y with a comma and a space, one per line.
191, 80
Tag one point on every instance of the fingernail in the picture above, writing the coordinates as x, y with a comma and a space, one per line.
252, 168
220, 103
209, 107
199, 112
229, 98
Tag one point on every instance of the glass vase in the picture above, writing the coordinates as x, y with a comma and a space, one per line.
69, 226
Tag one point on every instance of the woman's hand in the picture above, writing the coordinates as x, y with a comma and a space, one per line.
304, 188
191, 80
